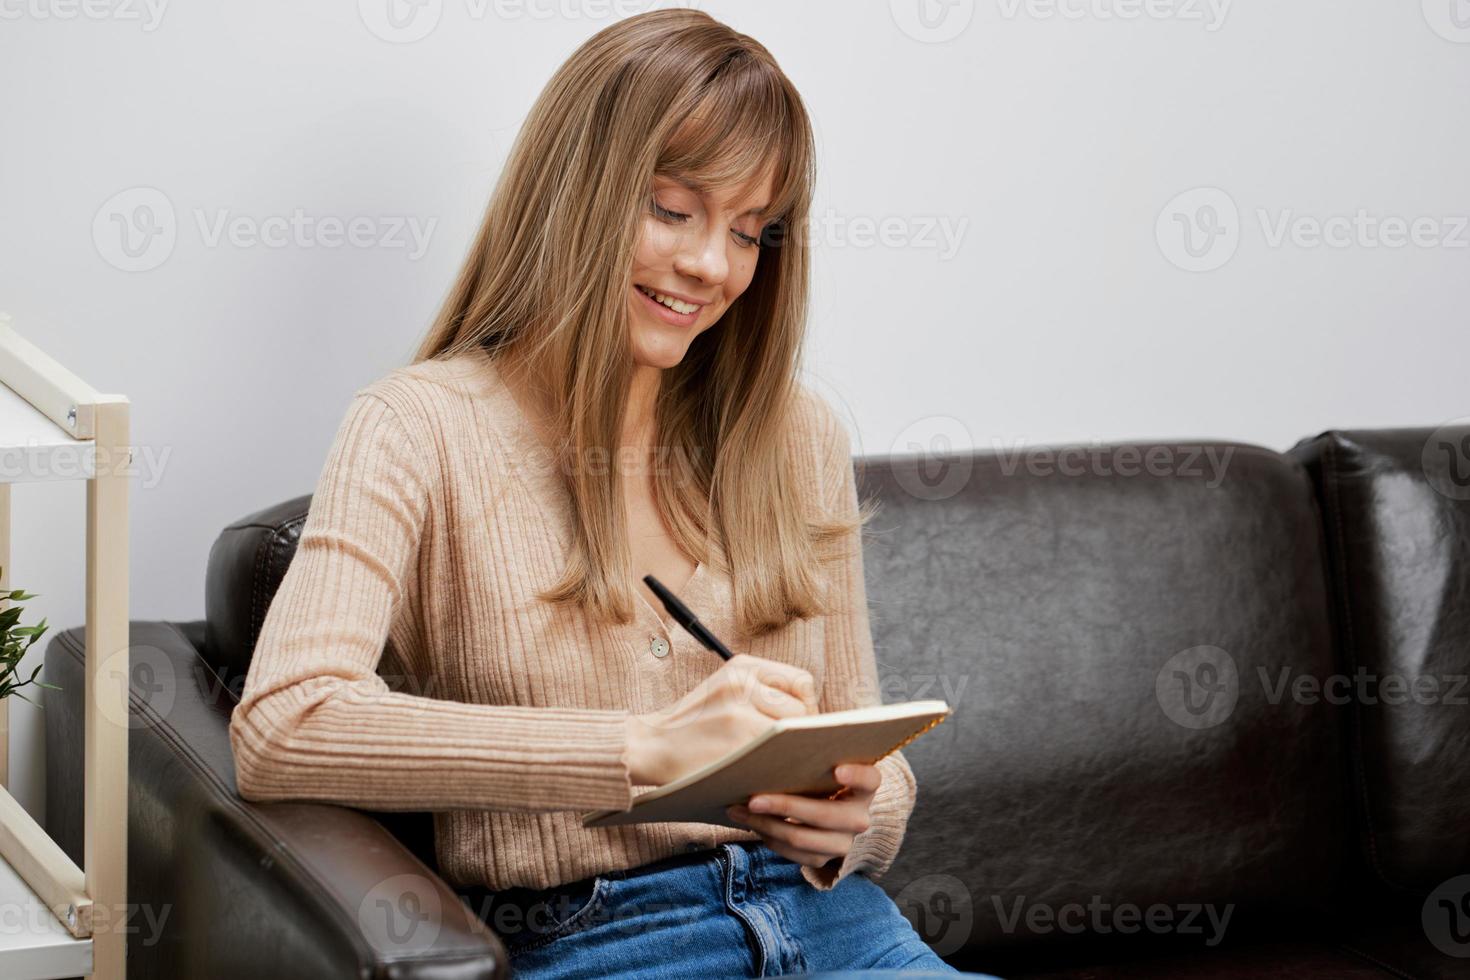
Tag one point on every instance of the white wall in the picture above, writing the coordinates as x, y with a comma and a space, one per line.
1050, 137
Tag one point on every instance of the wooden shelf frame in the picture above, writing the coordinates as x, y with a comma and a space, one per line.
90, 902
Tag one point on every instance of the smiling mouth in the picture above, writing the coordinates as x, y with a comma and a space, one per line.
669, 302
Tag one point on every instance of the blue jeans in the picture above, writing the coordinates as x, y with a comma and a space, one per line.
739, 910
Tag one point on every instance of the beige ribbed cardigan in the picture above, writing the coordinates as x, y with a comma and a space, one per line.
434, 521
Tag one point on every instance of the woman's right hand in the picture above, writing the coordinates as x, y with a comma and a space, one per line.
723, 712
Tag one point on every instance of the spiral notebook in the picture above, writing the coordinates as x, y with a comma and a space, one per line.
795, 755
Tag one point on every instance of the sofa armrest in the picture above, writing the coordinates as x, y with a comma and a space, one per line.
224, 888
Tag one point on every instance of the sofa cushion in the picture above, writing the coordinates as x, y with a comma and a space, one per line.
1396, 505
1113, 627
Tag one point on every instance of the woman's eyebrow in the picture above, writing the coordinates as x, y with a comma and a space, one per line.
699, 187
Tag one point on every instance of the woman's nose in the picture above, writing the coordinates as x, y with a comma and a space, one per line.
703, 258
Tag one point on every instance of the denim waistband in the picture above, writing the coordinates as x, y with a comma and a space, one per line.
674, 861
524, 895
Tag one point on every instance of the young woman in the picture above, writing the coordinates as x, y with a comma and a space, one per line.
609, 391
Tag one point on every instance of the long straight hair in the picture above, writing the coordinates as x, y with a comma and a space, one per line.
671, 92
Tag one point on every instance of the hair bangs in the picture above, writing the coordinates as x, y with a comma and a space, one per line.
741, 129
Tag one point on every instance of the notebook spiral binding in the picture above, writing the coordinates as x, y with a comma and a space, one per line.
843, 789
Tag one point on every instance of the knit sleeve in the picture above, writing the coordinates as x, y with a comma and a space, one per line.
317, 722
851, 673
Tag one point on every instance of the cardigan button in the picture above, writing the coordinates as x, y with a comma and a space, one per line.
659, 647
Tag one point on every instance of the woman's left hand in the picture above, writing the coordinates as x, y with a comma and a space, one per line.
813, 831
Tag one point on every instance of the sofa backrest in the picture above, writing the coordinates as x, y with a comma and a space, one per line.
1396, 505
245, 567
1113, 627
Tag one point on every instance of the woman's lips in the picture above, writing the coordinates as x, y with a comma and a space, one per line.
664, 313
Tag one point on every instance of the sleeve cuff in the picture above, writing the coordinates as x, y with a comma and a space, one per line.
874, 850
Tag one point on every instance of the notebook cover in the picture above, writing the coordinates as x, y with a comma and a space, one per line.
796, 755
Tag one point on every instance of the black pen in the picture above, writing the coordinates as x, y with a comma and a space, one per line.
685, 618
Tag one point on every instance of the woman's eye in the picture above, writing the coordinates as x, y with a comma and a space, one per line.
676, 217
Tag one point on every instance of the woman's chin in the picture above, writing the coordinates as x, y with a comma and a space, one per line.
653, 347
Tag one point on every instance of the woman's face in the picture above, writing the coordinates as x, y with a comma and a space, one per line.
699, 250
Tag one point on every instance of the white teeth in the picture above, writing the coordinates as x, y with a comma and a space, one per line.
677, 305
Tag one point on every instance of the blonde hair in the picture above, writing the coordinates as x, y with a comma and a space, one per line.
670, 92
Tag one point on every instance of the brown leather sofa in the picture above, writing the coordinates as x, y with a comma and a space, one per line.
1210, 721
